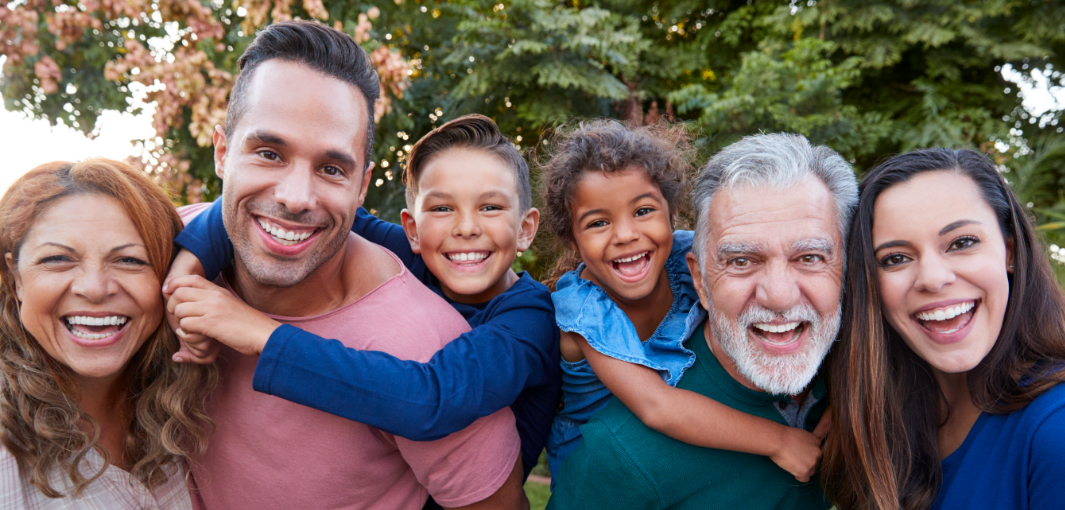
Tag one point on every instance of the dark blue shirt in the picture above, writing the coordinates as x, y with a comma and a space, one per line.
510, 357
1014, 460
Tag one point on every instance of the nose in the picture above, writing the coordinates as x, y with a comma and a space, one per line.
295, 190
93, 284
467, 224
777, 289
625, 231
933, 273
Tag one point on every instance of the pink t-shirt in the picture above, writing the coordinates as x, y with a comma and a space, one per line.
271, 453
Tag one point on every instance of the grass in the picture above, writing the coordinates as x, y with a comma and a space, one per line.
538, 495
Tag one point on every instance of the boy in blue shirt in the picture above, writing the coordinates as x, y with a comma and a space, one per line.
469, 213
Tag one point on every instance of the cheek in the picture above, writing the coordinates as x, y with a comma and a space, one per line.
147, 295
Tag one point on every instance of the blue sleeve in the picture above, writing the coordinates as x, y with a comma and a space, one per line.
477, 374
386, 234
206, 238
1047, 465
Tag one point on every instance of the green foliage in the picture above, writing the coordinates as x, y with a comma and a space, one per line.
868, 78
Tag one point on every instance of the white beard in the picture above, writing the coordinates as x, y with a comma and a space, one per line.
784, 374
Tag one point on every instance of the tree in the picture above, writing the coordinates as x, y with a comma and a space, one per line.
868, 78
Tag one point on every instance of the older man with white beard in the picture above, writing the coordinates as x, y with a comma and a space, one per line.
772, 215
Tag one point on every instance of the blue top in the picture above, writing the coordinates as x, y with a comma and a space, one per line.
1014, 461
585, 308
509, 358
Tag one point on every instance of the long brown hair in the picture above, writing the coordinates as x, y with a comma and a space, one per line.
42, 423
883, 451
662, 150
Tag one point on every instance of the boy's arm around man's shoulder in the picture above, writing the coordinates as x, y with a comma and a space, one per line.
477, 374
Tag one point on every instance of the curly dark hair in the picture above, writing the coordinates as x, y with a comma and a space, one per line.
662, 150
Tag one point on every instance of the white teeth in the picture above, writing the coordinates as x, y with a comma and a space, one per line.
113, 320
468, 256
771, 328
283, 235
947, 312
630, 259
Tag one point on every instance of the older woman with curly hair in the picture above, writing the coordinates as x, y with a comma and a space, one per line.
93, 413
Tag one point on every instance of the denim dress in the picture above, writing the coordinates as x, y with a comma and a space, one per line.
584, 308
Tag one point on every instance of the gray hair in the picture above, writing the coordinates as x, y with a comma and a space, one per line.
773, 161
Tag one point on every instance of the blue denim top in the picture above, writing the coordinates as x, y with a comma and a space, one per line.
585, 308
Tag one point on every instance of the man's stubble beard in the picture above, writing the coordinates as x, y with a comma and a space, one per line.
786, 374
264, 269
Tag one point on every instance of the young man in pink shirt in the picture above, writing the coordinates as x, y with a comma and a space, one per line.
294, 162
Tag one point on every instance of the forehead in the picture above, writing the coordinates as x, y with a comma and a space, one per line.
927, 202
82, 220
606, 189
762, 216
304, 106
469, 170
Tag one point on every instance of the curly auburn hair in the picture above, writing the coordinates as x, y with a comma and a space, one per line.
662, 150
41, 421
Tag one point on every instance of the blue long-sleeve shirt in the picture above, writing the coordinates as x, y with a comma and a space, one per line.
510, 357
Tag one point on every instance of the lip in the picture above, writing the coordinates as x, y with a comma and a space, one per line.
945, 302
781, 349
97, 343
467, 267
273, 245
638, 276
948, 338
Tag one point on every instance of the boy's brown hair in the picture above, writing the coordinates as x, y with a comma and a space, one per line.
472, 132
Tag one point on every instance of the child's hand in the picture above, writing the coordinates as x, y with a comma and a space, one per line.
205, 309
800, 450
194, 348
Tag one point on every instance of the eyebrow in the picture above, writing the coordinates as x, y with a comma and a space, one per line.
816, 244
438, 194
736, 249
493, 194
956, 225
945, 230
340, 157
113, 250
590, 213
267, 138
596, 211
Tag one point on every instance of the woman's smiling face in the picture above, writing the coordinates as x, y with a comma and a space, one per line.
943, 268
89, 296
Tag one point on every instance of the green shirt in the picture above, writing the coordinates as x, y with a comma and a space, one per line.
622, 464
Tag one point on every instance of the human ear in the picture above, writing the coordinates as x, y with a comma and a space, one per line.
697, 279
12, 267
530, 223
219, 152
410, 228
365, 183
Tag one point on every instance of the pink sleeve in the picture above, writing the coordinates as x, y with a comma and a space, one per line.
469, 465
188, 212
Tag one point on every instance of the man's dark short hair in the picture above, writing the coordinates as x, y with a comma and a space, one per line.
471, 132
314, 45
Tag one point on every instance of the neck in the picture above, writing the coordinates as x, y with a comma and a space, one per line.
959, 413
645, 313
321, 291
103, 398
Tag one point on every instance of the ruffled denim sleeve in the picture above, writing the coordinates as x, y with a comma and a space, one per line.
584, 308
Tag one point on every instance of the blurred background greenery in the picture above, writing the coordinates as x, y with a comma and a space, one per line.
867, 78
